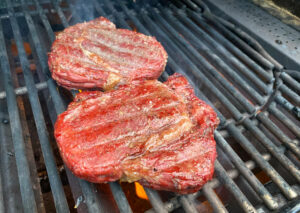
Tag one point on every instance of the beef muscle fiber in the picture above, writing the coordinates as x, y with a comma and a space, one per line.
159, 134
95, 54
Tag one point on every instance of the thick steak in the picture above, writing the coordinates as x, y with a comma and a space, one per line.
97, 55
159, 134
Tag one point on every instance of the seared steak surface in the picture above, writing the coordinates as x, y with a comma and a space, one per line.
159, 134
97, 55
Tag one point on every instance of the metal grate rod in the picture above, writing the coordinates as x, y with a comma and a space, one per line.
43, 18
294, 147
233, 188
288, 106
202, 48
120, 197
282, 117
213, 199
23, 90
264, 165
227, 55
59, 106
155, 200
240, 43
292, 95
198, 60
59, 12
187, 204
56, 185
292, 82
273, 149
27, 193
21, 14
248, 175
74, 13
235, 51
192, 68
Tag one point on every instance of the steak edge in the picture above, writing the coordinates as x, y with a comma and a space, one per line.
96, 54
159, 134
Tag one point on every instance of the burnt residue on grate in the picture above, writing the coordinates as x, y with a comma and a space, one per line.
256, 100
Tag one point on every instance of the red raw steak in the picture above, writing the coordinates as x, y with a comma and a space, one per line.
97, 55
159, 134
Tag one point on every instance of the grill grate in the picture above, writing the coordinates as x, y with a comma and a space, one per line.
255, 98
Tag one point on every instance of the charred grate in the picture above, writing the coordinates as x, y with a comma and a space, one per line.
256, 99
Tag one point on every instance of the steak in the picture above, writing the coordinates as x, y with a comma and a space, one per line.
95, 54
159, 134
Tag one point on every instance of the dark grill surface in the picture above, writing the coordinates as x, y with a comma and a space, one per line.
256, 99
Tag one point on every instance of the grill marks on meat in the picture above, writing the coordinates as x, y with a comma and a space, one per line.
158, 134
97, 55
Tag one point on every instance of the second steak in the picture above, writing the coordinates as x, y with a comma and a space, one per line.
159, 134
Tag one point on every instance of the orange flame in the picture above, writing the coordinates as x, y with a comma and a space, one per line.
140, 191
134, 29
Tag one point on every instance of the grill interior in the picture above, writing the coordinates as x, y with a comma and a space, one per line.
256, 99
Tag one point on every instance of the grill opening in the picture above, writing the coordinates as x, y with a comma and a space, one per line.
256, 98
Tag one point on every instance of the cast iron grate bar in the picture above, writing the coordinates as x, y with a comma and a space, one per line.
24, 90
241, 66
56, 185
27, 193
